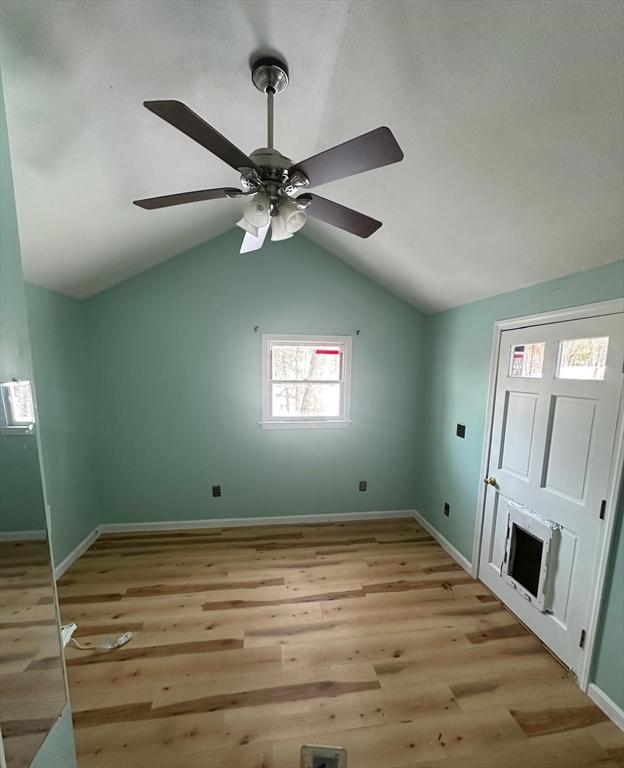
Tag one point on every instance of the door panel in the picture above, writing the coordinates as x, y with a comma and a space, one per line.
563, 567
567, 446
517, 440
555, 412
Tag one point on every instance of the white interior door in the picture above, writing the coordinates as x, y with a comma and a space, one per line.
556, 406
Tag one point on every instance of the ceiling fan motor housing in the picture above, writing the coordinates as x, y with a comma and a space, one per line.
270, 159
273, 175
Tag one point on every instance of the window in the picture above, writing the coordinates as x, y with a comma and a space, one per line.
305, 381
583, 358
18, 409
527, 360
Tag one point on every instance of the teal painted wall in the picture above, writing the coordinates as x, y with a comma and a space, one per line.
22, 507
58, 749
459, 343
176, 376
60, 351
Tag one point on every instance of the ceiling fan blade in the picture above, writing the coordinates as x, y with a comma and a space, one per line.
252, 243
184, 119
342, 217
150, 203
370, 150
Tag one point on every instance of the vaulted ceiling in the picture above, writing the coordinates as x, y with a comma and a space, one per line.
509, 114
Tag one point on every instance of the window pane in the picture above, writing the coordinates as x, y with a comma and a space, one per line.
583, 358
527, 360
305, 400
291, 362
20, 399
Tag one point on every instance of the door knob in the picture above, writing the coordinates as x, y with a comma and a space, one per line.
490, 481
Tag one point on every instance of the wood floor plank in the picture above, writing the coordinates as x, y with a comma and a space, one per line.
179, 668
182, 589
148, 743
538, 722
498, 633
134, 653
313, 598
252, 640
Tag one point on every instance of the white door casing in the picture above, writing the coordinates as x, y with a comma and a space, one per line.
552, 441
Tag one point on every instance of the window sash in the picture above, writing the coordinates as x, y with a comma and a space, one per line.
312, 344
306, 381
294, 417
343, 343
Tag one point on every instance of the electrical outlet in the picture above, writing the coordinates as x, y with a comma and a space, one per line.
216, 490
447, 509
362, 485
461, 430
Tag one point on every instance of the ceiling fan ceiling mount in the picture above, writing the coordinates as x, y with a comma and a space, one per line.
269, 73
271, 176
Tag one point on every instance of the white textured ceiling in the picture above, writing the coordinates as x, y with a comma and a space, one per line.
509, 113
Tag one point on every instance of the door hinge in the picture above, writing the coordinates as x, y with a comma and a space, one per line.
582, 640
603, 509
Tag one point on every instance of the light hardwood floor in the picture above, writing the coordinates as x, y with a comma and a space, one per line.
250, 642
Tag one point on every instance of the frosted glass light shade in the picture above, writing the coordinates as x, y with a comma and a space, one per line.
258, 210
278, 228
294, 218
244, 224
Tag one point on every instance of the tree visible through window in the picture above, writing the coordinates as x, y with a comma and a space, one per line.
583, 358
306, 379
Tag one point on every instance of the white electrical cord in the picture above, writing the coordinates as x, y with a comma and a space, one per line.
108, 644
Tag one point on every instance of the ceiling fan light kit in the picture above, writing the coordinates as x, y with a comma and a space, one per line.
278, 229
278, 187
258, 210
247, 226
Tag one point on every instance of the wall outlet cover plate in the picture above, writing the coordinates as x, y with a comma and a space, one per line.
313, 756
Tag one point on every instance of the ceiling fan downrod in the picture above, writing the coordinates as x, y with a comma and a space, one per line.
270, 96
270, 75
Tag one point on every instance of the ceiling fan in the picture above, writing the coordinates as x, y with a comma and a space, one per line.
276, 185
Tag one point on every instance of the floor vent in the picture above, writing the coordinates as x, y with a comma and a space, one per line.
313, 756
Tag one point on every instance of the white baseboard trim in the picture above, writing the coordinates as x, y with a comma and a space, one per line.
444, 543
233, 522
71, 558
23, 535
607, 705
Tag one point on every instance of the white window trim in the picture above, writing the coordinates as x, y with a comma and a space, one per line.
344, 420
